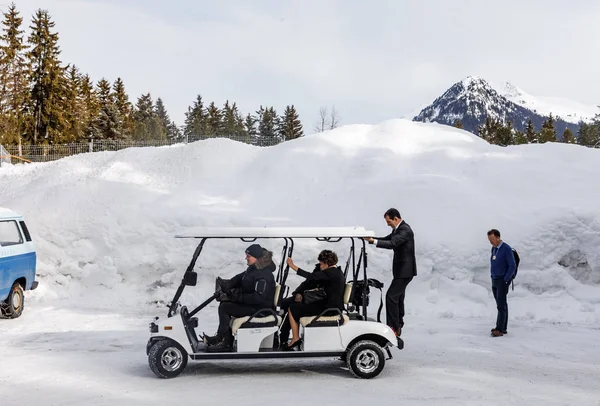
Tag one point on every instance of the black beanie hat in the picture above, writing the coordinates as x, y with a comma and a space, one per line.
255, 251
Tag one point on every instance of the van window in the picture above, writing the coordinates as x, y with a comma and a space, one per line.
25, 231
9, 233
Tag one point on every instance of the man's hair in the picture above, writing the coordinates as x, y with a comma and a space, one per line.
328, 257
494, 232
392, 214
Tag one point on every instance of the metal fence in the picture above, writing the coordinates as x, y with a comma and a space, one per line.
4, 156
51, 152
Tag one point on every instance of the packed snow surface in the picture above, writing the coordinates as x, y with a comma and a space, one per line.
104, 225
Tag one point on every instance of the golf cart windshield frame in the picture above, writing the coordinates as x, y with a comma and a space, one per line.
331, 234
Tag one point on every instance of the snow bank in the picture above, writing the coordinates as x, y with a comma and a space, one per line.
104, 222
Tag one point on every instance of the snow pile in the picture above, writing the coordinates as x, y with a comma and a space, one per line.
104, 222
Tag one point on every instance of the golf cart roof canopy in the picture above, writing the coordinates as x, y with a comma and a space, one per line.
276, 232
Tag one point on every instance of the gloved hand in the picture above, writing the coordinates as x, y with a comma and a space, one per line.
221, 296
235, 295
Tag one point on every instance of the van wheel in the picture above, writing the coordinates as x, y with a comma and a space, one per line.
167, 359
365, 359
15, 301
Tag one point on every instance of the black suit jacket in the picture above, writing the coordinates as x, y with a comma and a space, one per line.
402, 241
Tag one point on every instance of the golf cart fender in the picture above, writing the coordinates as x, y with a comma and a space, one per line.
171, 328
356, 330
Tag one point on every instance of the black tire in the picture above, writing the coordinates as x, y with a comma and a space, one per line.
365, 359
167, 359
15, 302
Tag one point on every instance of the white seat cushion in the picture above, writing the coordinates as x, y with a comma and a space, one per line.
306, 320
237, 322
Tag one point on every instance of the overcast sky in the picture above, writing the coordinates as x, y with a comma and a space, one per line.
373, 60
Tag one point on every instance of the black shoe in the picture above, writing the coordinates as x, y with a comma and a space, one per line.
225, 344
210, 340
293, 346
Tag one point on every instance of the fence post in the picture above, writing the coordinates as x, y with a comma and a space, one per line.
91, 145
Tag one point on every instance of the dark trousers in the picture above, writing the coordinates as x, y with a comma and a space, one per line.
227, 310
298, 310
284, 332
394, 302
500, 290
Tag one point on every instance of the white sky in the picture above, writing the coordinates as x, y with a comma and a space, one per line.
373, 60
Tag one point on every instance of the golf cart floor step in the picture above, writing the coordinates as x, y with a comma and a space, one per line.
265, 354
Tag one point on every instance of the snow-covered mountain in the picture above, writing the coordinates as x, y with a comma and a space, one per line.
568, 110
473, 99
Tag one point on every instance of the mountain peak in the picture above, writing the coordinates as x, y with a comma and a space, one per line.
473, 99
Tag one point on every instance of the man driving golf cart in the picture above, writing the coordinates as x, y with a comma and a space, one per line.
244, 295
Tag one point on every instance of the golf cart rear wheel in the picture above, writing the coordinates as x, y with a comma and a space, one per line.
167, 359
15, 301
365, 359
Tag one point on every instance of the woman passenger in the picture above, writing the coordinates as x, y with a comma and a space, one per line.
331, 278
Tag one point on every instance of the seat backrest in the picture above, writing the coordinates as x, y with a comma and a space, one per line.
277, 291
347, 293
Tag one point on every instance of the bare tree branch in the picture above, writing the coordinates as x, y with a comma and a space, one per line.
320, 125
335, 119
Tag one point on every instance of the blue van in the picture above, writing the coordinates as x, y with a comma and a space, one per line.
17, 263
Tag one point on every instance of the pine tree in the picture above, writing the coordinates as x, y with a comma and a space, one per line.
240, 127
147, 123
163, 116
250, 126
268, 127
73, 108
107, 125
214, 121
123, 105
47, 80
167, 126
489, 129
292, 127
14, 94
567, 136
89, 106
520, 138
195, 120
229, 121
530, 133
504, 135
588, 134
548, 132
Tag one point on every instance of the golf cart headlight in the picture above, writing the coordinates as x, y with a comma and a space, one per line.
153, 328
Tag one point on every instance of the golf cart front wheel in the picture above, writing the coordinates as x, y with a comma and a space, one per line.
167, 359
15, 302
365, 359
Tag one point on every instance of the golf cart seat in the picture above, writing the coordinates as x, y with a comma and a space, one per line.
262, 318
331, 319
324, 321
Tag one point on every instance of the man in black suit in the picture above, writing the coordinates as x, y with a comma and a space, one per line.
404, 266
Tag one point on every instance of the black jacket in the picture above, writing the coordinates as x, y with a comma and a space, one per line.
256, 284
332, 280
308, 283
402, 241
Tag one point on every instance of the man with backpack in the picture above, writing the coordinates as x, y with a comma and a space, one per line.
502, 269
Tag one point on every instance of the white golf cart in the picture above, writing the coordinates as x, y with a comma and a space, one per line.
350, 335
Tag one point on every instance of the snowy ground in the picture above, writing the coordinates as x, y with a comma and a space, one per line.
104, 226
96, 357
